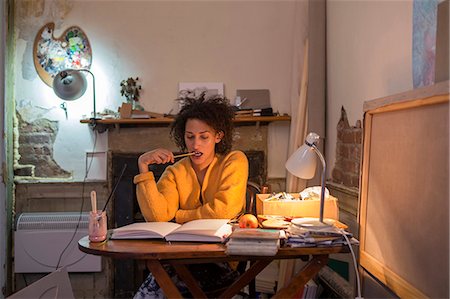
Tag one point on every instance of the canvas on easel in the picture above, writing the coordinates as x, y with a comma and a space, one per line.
404, 208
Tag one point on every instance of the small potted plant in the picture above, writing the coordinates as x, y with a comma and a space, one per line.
131, 90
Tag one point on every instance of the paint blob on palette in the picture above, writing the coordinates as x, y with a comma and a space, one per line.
71, 50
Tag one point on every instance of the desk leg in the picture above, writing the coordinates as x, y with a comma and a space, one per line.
165, 282
298, 281
245, 278
189, 280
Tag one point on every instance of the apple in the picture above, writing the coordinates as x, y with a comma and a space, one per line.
248, 221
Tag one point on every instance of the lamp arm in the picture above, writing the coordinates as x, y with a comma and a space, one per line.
322, 192
93, 88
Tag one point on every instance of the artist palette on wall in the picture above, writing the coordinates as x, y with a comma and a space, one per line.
51, 55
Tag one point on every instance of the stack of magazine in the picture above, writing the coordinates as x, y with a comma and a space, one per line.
254, 241
328, 235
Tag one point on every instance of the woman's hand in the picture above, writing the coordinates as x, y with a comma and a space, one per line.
157, 156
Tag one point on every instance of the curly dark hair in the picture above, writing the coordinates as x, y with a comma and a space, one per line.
215, 111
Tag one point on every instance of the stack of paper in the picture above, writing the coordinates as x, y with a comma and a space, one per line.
310, 290
299, 236
253, 241
265, 281
254, 112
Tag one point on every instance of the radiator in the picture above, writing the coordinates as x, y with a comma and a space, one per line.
40, 238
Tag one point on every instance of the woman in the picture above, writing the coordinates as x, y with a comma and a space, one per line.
210, 183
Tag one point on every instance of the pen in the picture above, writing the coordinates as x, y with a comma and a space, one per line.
184, 155
235, 219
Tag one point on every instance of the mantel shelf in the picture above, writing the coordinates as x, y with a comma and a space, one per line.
166, 121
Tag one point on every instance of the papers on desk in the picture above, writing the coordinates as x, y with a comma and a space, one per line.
254, 241
298, 236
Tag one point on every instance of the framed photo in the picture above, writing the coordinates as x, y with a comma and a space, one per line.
194, 89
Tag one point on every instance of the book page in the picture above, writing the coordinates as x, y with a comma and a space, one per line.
144, 230
202, 230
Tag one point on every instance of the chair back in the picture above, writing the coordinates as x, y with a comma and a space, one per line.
250, 197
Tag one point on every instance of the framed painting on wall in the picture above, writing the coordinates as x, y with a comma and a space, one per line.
195, 89
424, 42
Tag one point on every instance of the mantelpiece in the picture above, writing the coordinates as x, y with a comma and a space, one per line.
103, 124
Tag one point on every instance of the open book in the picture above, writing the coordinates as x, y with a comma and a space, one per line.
201, 230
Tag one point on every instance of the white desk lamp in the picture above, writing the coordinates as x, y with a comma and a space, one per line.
302, 163
70, 84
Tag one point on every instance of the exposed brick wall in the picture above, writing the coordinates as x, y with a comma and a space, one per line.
348, 152
35, 149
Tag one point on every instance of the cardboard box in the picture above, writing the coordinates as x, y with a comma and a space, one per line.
297, 208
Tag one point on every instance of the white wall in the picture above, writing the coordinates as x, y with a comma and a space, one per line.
369, 55
244, 44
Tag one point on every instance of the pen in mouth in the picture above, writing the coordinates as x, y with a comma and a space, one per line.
184, 155
197, 154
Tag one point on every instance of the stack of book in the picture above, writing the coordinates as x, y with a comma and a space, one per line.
253, 241
299, 236
254, 112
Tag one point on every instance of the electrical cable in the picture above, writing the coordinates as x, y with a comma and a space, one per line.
25, 279
358, 283
88, 168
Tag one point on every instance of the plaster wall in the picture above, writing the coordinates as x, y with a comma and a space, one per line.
369, 55
3, 218
244, 44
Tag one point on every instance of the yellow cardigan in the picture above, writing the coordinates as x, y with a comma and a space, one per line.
177, 193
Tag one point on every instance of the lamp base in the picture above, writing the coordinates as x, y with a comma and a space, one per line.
312, 223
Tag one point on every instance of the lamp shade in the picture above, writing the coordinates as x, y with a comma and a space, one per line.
302, 163
69, 85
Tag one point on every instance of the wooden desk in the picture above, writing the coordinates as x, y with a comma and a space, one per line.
179, 254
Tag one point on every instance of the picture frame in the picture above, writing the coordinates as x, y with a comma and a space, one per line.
194, 89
